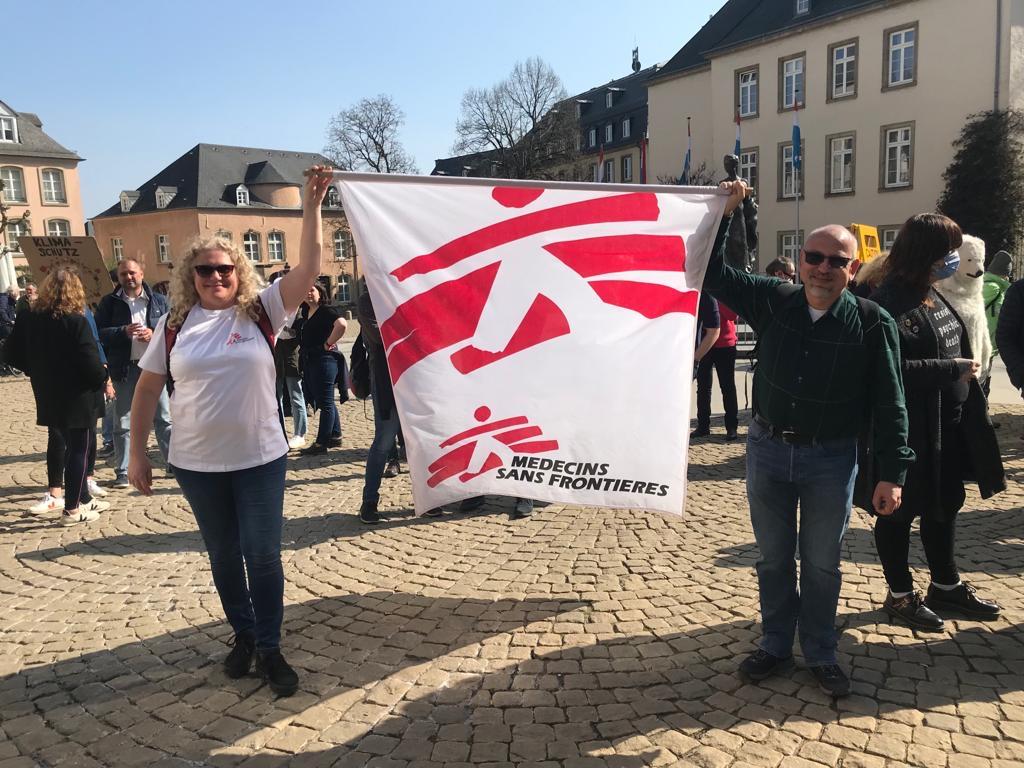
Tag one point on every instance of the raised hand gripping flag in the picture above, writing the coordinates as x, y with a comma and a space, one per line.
539, 336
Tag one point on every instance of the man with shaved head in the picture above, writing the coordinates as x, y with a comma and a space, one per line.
828, 364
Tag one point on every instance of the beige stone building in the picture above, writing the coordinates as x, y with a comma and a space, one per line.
882, 89
41, 188
253, 196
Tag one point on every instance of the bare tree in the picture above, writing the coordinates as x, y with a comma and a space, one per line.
364, 137
525, 119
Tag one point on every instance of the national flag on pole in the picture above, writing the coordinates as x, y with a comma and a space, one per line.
736, 150
797, 153
685, 178
643, 159
514, 313
600, 164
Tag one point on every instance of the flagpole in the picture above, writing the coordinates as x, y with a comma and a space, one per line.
797, 175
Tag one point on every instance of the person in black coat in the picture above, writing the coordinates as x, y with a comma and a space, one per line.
950, 430
1010, 334
54, 345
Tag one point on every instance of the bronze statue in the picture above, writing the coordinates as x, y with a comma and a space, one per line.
741, 245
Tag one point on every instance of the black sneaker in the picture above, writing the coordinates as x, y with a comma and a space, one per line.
334, 442
522, 509
472, 503
107, 449
316, 449
731, 435
761, 665
911, 610
281, 678
393, 469
368, 513
239, 661
700, 432
832, 680
435, 512
963, 599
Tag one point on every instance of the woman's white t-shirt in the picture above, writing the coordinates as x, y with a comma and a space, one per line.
224, 406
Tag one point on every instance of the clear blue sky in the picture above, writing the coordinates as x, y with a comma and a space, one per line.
132, 85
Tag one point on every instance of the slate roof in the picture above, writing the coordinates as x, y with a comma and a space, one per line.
454, 166
32, 140
744, 21
207, 175
630, 94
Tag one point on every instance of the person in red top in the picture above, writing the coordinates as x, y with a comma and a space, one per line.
721, 358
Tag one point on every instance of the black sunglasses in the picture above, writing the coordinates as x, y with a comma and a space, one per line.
814, 258
207, 270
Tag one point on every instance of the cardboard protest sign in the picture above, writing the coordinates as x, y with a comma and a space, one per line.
46, 254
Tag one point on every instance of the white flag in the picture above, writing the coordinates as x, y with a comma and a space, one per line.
540, 337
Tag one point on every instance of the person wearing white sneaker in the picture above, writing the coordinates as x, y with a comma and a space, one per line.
86, 513
53, 343
49, 503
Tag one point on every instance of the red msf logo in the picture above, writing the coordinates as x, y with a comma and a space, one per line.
236, 338
450, 313
496, 441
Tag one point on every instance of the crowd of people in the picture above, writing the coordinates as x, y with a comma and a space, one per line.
869, 396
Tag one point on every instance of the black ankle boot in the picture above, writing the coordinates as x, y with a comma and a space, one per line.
275, 670
239, 661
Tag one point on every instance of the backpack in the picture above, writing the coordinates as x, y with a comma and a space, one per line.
359, 371
171, 336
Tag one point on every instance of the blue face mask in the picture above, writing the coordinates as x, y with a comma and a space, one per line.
948, 267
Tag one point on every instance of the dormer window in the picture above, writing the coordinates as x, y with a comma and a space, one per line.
242, 195
126, 203
8, 128
609, 99
332, 200
163, 198
802, 7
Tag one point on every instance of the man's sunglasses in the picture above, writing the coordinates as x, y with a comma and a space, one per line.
207, 270
814, 258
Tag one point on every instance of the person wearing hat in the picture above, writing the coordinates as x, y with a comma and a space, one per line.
996, 282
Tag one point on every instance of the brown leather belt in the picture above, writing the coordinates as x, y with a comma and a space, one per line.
787, 436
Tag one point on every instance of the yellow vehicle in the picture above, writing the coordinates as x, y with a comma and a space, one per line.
867, 241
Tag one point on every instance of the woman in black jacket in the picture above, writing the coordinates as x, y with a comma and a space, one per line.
53, 343
950, 431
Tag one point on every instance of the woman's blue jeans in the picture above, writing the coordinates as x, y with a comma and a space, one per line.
240, 516
820, 478
321, 371
384, 433
292, 385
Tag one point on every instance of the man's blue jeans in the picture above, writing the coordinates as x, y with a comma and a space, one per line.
293, 386
124, 391
820, 477
384, 433
240, 515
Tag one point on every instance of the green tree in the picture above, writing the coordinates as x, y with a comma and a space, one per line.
984, 190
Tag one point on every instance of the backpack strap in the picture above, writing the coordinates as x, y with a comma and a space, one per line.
170, 337
264, 324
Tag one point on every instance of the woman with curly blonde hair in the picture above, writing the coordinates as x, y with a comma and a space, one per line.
53, 343
228, 450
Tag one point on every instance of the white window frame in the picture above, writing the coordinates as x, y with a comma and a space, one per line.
790, 188
163, 248
163, 199
274, 237
8, 129
117, 248
126, 203
748, 167
802, 7
593, 172
50, 227
898, 143
627, 168
627, 128
53, 190
609, 172
841, 158
609, 99
845, 86
342, 245
242, 195
748, 92
609, 133
592, 137
343, 295
901, 50
251, 246
15, 229
887, 236
10, 174
793, 74
790, 243
332, 199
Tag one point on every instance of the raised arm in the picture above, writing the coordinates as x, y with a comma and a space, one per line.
295, 284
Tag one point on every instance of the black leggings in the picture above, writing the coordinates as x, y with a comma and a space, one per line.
55, 452
78, 449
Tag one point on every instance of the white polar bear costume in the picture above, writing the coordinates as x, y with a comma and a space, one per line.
963, 292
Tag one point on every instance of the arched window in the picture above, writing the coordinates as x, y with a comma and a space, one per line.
343, 246
14, 184
251, 245
223, 233
58, 228
275, 246
53, 186
242, 195
332, 200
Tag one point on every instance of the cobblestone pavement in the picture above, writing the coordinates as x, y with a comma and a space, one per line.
578, 638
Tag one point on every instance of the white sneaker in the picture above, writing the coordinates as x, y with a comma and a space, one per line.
297, 442
48, 504
96, 490
86, 513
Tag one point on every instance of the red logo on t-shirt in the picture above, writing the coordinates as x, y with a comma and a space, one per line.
237, 338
